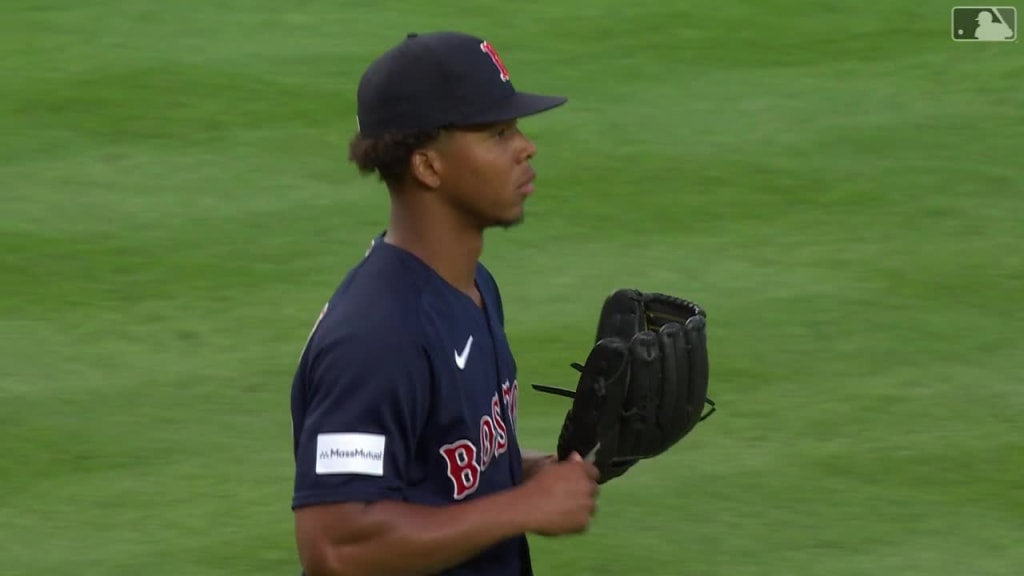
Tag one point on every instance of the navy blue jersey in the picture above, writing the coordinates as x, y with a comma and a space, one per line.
407, 391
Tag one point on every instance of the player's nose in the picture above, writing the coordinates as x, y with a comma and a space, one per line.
529, 149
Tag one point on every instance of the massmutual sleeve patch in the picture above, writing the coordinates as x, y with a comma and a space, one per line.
350, 453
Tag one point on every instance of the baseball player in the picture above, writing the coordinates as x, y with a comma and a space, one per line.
404, 403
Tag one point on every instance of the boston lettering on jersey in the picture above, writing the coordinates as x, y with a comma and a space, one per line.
465, 460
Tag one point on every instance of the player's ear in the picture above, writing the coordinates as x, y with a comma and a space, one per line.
425, 166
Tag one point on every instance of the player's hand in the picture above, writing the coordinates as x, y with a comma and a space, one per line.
561, 497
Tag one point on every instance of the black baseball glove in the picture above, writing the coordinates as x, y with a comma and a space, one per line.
643, 386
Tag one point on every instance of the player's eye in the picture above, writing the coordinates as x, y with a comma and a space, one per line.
505, 130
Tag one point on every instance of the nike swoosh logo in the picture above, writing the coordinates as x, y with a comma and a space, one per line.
460, 359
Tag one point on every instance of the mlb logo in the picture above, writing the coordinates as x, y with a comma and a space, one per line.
984, 24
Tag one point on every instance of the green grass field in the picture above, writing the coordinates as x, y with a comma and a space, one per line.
838, 183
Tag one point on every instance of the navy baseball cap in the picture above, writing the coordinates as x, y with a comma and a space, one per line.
440, 80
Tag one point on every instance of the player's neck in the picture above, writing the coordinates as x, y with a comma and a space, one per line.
443, 241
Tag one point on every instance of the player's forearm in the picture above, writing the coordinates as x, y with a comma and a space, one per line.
401, 539
534, 460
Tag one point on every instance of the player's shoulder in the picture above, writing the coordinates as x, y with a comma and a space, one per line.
379, 300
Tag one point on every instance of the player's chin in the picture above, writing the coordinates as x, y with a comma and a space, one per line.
513, 217
511, 212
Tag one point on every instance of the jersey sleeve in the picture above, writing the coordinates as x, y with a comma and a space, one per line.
365, 402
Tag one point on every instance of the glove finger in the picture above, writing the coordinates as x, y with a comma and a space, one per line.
594, 416
622, 315
674, 407
615, 469
642, 395
697, 356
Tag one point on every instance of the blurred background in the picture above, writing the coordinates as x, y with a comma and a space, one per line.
839, 184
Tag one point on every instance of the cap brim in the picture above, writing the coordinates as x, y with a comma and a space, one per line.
519, 105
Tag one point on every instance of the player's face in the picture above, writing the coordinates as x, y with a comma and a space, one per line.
490, 176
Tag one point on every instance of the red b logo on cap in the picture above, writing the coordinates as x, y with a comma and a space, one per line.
485, 46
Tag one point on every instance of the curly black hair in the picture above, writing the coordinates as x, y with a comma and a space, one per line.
388, 156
